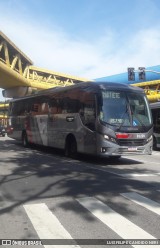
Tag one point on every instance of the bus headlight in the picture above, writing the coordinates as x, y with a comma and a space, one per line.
150, 139
109, 138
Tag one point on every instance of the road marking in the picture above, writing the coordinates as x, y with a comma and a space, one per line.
132, 175
155, 153
46, 224
143, 201
119, 224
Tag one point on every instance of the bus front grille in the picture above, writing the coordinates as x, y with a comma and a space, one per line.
130, 142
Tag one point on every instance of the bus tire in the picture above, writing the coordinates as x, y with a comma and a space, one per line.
114, 158
25, 140
71, 147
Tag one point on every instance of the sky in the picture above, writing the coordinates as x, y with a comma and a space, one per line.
85, 38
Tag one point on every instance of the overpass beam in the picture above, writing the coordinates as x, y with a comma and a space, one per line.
14, 62
6, 53
18, 92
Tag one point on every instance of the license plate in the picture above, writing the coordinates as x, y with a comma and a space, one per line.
132, 149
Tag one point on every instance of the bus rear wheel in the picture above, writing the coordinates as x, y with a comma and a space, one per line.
71, 147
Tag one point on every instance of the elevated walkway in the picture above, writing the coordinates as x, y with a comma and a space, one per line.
18, 76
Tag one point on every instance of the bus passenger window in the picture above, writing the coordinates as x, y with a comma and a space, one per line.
35, 108
87, 112
53, 106
44, 108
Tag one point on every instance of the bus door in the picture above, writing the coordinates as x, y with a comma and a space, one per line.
88, 118
156, 127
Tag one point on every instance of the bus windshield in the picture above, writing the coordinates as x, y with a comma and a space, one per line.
120, 108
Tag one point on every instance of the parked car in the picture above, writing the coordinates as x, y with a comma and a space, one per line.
9, 129
2, 131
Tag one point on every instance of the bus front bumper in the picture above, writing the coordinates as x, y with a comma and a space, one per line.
116, 150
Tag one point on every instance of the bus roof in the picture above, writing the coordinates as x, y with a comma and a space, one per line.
93, 84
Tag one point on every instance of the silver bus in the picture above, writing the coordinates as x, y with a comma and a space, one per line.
97, 118
155, 108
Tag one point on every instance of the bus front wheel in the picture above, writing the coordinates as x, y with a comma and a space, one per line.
114, 158
71, 147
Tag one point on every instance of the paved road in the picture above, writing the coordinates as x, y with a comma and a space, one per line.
45, 195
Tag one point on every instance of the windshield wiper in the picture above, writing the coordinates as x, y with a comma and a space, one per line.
122, 116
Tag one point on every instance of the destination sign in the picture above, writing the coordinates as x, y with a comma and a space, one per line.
111, 94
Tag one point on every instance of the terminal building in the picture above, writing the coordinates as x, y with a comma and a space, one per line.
151, 73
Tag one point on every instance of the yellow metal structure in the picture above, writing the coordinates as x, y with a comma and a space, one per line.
4, 113
4, 105
44, 79
13, 64
19, 76
3, 116
151, 88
